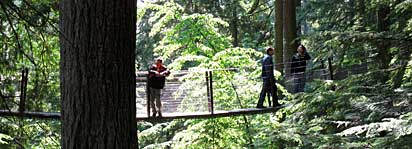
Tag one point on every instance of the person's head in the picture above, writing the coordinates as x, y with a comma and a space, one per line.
301, 49
159, 61
270, 51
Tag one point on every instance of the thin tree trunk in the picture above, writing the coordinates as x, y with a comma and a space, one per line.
298, 22
304, 26
279, 35
360, 12
189, 6
399, 74
97, 74
360, 23
383, 46
290, 45
404, 57
234, 24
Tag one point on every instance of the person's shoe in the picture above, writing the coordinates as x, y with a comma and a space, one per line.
260, 106
160, 114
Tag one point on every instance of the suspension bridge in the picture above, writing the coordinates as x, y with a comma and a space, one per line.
188, 94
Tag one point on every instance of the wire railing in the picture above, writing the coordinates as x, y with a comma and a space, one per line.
203, 89
206, 90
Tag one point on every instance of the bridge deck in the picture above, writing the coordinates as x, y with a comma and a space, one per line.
143, 117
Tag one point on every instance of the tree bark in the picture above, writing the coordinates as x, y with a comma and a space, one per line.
298, 4
189, 7
360, 12
97, 77
290, 34
383, 58
399, 74
234, 24
279, 35
304, 25
360, 26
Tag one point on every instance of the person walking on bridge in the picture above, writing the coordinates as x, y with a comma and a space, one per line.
269, 81
156, 82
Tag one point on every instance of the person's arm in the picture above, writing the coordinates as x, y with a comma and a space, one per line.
166, 72
293, 64
307, 56
152, 72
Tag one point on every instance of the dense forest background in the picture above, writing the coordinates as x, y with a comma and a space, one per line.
366, 105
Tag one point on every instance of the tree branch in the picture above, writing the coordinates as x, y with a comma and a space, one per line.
254, 6
19, 46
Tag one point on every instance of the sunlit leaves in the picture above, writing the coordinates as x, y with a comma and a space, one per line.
4, 138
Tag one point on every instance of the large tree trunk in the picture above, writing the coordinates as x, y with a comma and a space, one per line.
97, 74
290, 35
383, 58
279, 35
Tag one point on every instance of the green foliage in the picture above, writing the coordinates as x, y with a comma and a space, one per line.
356, 112
316, 119
4, 138
30, 133
29, 39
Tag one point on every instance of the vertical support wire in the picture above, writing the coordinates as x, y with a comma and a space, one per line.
148, 96
330, 68
23, 90
208, 92
211, 91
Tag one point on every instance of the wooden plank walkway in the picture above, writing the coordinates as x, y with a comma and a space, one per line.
142, 117
40, 115
206, 115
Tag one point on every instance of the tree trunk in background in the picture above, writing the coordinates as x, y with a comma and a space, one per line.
195, 7
299, 21
234, 24
290, 35
360, 23
279, 35
404, 56
383, 58
360, 12
189, 6
399, 74
304, 27
98, 74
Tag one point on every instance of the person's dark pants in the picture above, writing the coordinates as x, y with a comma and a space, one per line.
298, 82
268, 88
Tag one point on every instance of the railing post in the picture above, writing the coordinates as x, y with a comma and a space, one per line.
211, 91
208, 92
23, 89
330, 68
148, 96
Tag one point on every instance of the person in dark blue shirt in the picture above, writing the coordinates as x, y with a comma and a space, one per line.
269, 81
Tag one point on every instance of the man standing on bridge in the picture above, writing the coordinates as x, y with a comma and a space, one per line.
156, 82
269, 81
